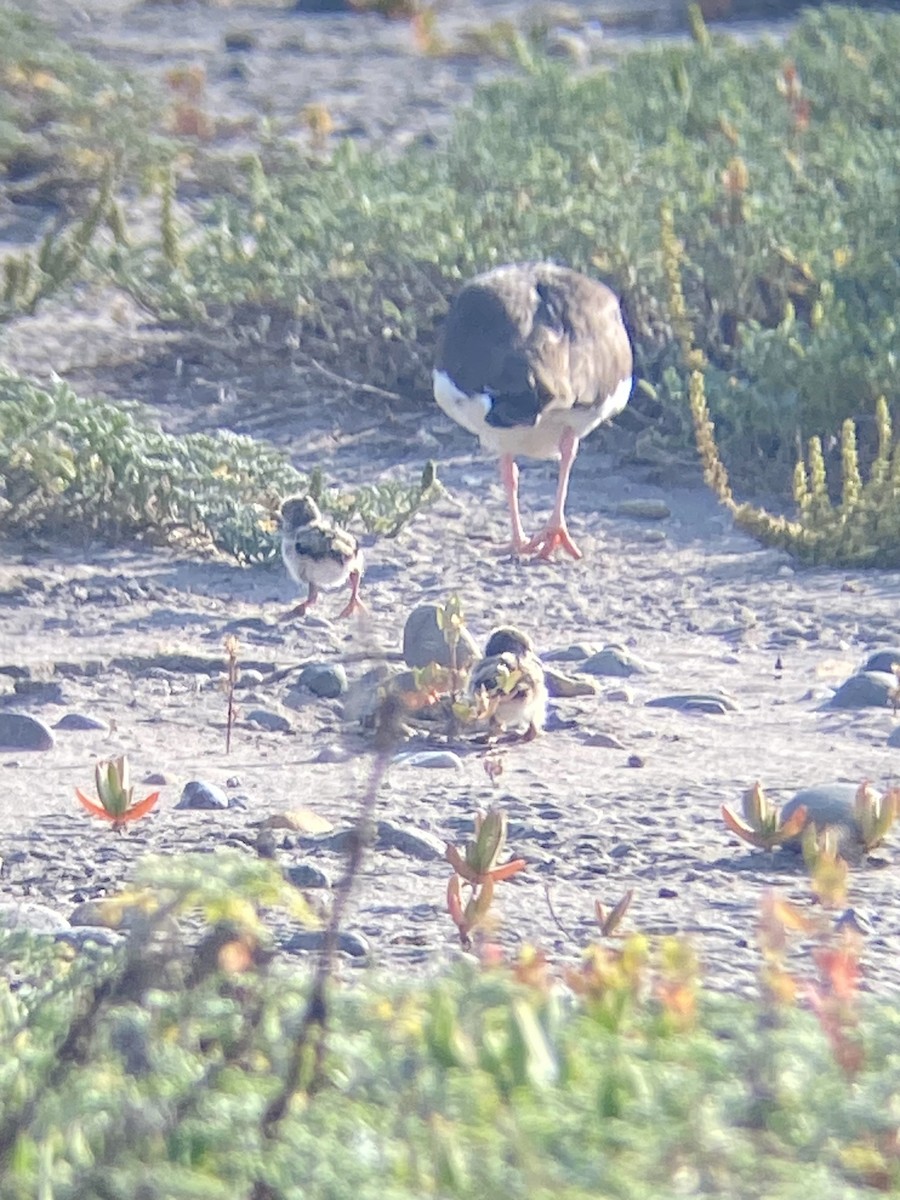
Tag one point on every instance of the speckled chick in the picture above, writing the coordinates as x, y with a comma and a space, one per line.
319, 553
509, 683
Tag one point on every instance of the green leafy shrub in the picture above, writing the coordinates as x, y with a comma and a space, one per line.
146, 1069
88, 468
780, 163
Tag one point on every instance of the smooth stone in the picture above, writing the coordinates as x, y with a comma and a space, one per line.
250, 678
199, 795
432, 759
18, 731
416, 843
619, 696
644, 509
328, 680
574, 653
264, 718
39, 691
423, 641
36, 918
827, 804
298, 820
565, 687
352, 944
156, 779
304, 875
708, 702
868, 689
74, 721
613, 660
606, 740
332, 754
894, 739
883, 661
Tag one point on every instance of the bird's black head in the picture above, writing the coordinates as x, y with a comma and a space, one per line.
508, 641
299, 511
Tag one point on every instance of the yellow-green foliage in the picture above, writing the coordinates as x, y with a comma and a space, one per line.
863, 530
87, 468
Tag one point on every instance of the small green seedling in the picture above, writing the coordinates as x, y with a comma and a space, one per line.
115, 792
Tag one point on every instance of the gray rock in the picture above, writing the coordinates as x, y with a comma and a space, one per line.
561, 686
613, 660
868, 689
707, 702
644, 509
416, 843
333, 753
18, 731
74, 721
574, 653
196, 794
883, 660
264, 718
607, 740
827, 805
423, 641
305, 940
27, 915
39, 691
305, 875
328, 680
155, 779
894, 739
432, 759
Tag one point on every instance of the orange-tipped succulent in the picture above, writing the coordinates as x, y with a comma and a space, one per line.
115, 792
762, 825
480, 870
480, 862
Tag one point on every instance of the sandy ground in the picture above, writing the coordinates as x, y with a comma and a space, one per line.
704, 607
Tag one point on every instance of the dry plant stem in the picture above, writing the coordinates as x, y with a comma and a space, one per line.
315, 1018
556, 921
353, 384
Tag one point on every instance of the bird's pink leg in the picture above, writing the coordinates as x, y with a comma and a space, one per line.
300, 609
509, 475
354, 604
555, 533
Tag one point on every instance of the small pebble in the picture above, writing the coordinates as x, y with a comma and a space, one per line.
894, 739
432, 759
644, 509
39, 691
264, 718
197, 794
305, 875
619, 696
605, 740
573, 653
18, 731
634, 760
416, 843
613, 660
156, 779
332, 753
352, 944
667, 893
707, 702
566, 687
328, 680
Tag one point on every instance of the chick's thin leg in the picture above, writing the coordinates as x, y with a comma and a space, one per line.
354, 604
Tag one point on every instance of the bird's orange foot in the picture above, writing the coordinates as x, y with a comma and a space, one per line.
543, 544
354, 605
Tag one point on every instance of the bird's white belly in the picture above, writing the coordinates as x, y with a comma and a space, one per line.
540, 440
323, 572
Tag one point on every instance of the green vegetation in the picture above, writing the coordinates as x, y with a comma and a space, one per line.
81, 467
780, 165
154, 1068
